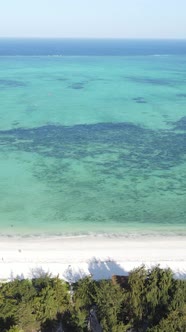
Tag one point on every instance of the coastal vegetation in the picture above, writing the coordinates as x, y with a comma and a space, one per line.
145, 301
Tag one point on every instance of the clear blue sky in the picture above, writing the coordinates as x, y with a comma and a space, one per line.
93, 18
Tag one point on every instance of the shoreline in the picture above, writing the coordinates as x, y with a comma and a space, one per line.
78, 256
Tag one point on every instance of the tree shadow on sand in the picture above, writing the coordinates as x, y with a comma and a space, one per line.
97, 269
105, 269
72, 275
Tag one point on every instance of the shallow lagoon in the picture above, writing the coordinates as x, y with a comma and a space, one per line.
92, 145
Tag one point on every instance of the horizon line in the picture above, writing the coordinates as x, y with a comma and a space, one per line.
93, 38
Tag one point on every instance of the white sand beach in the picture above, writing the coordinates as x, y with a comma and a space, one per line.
75, 257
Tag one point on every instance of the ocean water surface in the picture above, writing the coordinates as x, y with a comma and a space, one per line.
92, 137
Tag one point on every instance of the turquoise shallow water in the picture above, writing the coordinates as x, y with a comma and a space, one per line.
92, 145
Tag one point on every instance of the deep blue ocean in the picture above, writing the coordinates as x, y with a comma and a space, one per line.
92, 136
104, 47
